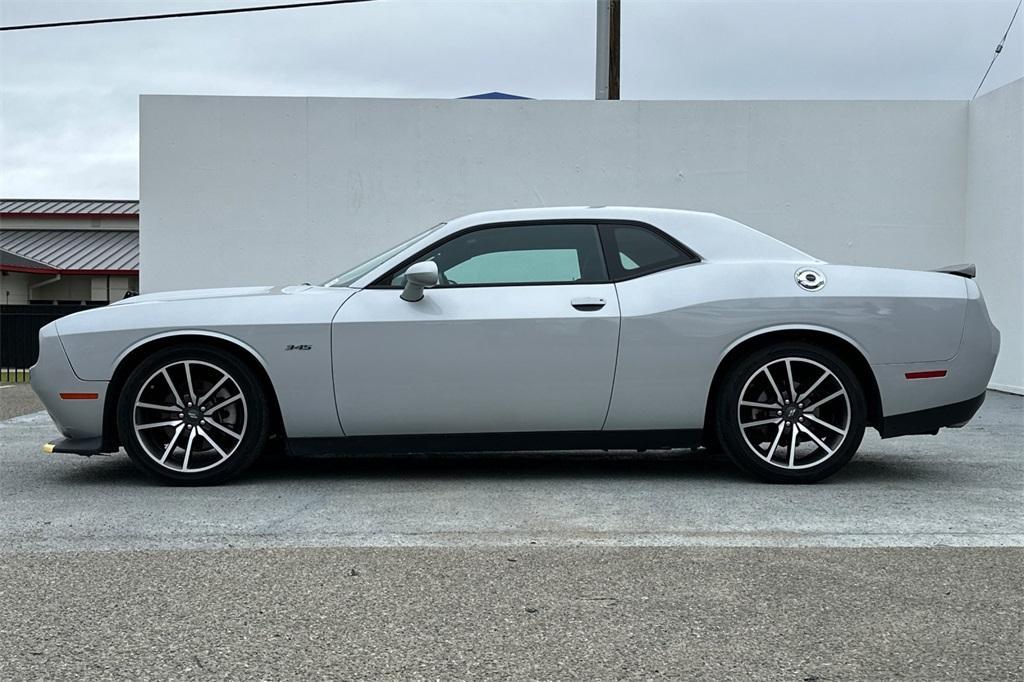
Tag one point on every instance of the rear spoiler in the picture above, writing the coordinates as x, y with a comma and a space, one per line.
963, 270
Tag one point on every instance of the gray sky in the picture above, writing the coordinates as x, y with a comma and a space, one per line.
69, 110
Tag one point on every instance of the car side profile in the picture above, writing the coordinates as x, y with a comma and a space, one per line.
548, 328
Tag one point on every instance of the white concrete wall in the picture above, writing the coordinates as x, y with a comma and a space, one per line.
268, 190
109, 288
242, 190
14, 288
994, 237
74, 288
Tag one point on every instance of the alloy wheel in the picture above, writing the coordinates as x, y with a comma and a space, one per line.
190, 416
794, 413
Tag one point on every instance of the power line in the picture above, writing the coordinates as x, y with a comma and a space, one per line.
999, 49
178, 15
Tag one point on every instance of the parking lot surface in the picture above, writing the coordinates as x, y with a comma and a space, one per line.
16, 400
963, 487
589, 565
523, 613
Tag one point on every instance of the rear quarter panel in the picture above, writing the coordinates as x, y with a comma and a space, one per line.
967, 374
678, 325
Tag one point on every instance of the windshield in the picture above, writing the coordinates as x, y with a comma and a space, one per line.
346, 278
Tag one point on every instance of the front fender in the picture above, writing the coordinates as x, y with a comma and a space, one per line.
264, 326
192, 333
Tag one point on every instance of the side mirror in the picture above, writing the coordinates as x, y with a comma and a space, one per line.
419, 276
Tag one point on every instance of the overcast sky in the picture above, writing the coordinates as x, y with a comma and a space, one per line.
69, 115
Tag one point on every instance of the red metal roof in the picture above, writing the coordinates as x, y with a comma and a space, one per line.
83, 251
70, 207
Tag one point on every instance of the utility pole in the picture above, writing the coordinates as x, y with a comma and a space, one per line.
607, 85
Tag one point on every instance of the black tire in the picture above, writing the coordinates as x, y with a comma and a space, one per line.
749, 372
252, 408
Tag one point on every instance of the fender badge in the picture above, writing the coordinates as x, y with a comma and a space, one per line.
810, 279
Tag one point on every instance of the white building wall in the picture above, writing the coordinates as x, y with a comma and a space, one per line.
17, 288
113, 288
14, 288
240, 190
995, 219
68, 288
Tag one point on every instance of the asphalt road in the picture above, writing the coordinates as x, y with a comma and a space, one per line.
961, 488
524, 613
16, 400
546, 566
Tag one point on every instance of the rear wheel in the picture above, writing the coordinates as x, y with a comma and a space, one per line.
791, 413
193, 415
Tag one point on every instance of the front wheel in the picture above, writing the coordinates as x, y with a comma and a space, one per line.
791, 413
192, 415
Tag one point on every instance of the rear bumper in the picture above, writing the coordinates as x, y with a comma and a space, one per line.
931, 420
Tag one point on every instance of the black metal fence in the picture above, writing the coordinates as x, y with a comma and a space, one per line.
19, 336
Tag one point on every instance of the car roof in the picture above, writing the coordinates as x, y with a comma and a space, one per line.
712, 236
564, 212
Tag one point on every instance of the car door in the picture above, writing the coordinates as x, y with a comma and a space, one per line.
520, 335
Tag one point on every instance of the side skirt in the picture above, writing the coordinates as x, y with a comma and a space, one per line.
494, 442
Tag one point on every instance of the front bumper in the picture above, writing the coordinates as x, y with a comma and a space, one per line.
75, 446
79, 413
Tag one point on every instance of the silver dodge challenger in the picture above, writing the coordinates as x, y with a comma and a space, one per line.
532, 329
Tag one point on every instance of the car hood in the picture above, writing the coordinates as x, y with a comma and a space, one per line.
224, 292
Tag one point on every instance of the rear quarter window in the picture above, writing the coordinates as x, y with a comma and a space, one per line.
634, 250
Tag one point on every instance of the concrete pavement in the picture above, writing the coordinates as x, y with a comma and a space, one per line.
16, 400
549, 613
906, 565
963, 487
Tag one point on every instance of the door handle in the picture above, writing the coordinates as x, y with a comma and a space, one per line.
588, 303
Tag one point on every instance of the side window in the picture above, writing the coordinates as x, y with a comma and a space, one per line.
519, 254
636, 250
499, 267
